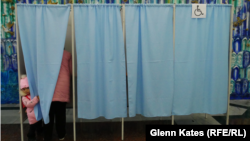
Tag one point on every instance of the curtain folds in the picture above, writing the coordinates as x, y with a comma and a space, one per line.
201, 61
101, 82
42, 32
149, 46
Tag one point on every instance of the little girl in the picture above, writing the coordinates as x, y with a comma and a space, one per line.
30, 104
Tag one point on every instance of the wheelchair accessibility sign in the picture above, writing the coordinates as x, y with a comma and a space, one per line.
199, 10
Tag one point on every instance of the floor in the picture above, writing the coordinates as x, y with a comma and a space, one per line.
101, 129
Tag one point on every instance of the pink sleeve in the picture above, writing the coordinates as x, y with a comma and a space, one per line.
30, 103
70, 65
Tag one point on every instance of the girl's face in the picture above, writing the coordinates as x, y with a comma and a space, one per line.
26, 90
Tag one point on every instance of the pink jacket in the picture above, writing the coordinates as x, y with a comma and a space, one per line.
62, 90
30, 104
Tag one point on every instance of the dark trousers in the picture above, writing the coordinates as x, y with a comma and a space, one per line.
36, 127
58, 113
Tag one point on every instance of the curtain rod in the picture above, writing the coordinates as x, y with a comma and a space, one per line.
83, 4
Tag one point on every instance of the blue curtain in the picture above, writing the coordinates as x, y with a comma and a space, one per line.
201, 61
42, 32
149, 45
101, 82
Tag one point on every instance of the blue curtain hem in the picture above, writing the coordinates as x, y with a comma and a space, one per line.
82, 117
134, 114
210, 113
